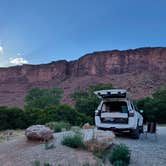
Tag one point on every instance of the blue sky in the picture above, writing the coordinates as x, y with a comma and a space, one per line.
41, 31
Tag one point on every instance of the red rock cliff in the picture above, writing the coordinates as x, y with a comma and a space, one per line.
140, 71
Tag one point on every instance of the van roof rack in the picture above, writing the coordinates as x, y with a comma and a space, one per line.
111, 93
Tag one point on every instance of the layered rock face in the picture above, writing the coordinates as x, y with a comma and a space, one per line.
140, 71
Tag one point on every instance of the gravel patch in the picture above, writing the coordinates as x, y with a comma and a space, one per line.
147, 151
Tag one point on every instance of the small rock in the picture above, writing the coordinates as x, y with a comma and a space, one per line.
39, 132
87, 126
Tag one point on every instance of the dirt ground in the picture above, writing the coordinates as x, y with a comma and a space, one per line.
17, 151
147, 151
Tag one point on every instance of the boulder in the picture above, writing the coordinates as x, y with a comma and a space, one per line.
87, 126
104, 136
39, 132
98, 140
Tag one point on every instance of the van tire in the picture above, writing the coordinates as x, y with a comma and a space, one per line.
135, 133
141, 129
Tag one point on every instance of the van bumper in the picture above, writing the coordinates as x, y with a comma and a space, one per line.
113, 126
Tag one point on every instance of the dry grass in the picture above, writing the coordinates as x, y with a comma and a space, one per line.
10, 134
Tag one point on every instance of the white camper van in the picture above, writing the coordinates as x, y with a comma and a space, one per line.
117, 112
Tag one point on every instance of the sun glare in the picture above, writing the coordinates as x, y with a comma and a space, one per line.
1, 50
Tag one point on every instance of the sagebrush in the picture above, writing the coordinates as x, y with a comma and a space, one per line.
120, 153
58, 126
73, 140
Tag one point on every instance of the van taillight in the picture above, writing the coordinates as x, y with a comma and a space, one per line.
97, 113
131, 114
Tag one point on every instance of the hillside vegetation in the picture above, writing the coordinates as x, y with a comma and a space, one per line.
43, 106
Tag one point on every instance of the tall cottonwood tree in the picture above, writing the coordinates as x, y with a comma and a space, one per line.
38, 98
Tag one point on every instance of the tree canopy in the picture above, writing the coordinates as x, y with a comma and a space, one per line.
38, 98
86, 101
155, 106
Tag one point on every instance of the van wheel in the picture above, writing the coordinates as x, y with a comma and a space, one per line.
135, 133
100, 128
141, 129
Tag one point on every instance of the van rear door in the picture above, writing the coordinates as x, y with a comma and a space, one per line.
114, 112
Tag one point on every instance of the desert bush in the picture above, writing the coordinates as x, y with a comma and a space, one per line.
62, 112
12, 118
120, 153
73, 140
119, 163
102, 153
67, 114
47, 164
58, 126
75, 129
43, 106
34, 116
41, 98
36, 163
154, 107
86, 101
86, 164
40, 116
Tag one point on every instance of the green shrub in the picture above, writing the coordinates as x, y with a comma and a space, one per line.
57, 113
101, 153
68, 114
73, 141
75, 129
154, 107
119, 163
36, 163
86, 101
12, 118
47, 164
120, 153
35, 116
58, 126
86, 164
42, 98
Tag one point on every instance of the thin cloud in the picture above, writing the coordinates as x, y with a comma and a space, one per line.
18, 61
5, 61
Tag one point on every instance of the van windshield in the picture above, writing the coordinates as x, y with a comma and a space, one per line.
115, 106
